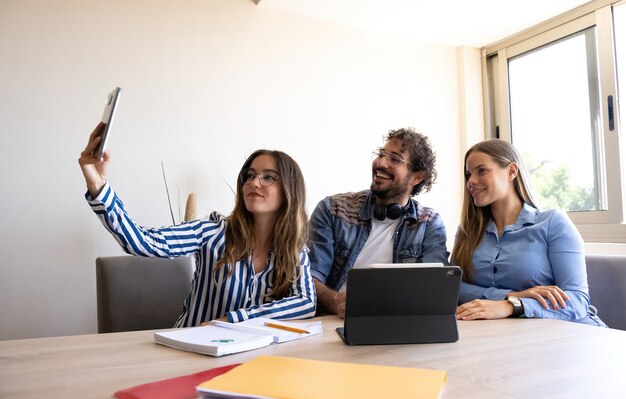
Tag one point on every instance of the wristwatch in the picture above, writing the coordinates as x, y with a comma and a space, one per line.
518, 306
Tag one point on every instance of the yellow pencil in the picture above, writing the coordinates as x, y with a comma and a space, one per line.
287, 328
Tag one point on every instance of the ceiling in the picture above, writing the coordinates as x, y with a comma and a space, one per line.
475, 23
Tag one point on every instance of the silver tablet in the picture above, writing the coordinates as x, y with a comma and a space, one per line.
107, 119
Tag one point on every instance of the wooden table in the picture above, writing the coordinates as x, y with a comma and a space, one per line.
511, 358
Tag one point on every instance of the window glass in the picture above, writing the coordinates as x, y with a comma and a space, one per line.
554, 121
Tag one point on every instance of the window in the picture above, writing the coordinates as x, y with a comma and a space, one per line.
552, 91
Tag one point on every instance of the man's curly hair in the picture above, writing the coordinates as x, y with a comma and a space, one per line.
421, 156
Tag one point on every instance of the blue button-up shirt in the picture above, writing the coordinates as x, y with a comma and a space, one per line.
340, 226
541, 248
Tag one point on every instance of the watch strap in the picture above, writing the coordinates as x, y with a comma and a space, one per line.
518, 306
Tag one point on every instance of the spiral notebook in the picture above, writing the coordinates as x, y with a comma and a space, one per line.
223, 338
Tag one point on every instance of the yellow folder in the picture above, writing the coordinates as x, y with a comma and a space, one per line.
291, 378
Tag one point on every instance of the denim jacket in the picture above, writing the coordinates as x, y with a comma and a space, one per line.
340, 225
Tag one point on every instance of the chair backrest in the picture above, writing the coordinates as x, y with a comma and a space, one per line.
606, 275
139, 293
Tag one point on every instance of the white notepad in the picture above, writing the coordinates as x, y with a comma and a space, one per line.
257, 326
223, 338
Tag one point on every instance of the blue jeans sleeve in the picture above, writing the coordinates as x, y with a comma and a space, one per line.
434, 246
321, 243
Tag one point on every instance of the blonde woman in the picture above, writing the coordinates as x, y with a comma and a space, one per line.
517, 261
252, 263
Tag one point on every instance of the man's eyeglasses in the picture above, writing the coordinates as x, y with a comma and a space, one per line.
392, 158
266, 177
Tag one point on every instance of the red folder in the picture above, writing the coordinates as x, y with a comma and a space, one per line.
183, 387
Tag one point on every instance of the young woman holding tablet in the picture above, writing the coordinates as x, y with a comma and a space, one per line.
252, 263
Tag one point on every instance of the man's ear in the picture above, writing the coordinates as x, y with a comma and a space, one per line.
513, 170
418, 177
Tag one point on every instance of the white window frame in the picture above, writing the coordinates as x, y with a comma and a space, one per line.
594, 226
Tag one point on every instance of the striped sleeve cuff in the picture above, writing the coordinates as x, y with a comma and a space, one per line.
236, 316
104, 199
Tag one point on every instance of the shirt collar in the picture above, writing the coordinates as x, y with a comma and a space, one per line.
527, 216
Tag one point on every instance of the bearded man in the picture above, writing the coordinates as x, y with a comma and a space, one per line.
380, 225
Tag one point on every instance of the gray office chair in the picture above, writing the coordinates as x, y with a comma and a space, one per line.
606, 275
138, 293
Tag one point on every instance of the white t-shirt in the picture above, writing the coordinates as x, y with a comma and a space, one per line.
379, 245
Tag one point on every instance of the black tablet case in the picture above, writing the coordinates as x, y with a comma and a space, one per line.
403, 305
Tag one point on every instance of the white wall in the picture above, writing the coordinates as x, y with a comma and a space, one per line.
204, 84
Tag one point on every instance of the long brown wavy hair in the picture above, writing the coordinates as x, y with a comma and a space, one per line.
291, 229
474, 220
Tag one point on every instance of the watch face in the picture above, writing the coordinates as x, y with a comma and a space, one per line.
515, 301
518, 307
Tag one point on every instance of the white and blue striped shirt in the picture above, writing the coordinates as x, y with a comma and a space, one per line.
241, 295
